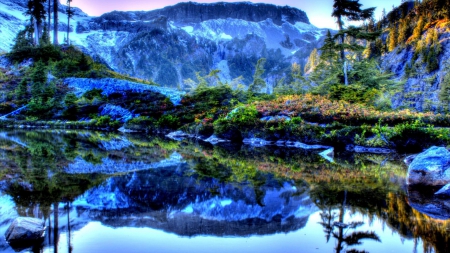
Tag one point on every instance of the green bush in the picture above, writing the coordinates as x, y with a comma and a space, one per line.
168, 122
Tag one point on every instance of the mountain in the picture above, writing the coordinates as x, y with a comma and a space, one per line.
171, 44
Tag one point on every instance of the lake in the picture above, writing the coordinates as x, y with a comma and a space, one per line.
110, 192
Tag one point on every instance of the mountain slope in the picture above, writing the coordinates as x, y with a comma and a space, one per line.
172, 44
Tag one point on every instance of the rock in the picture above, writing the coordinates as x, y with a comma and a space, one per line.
116, 113
276, 118
430, 168
177, 135
328, 154
444, 191
280, 143
111, 85
423, 200
361, 149
25, 229
408, 160
213, 139
309, 147
256, 142
126, 130
190, 12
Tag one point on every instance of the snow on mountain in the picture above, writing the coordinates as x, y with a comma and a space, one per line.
172, 44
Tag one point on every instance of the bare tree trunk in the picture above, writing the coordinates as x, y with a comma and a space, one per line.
36, 32
55, 22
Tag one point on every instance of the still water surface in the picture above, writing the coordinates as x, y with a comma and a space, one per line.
102, 192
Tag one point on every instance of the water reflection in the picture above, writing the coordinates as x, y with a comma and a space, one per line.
84, 183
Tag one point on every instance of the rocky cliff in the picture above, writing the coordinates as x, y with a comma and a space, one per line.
422, 88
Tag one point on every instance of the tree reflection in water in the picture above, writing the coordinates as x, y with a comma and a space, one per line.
35, 160
340, 229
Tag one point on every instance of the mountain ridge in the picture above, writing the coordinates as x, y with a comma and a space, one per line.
192, 12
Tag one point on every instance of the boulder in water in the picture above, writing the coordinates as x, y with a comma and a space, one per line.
25, 229
430, 168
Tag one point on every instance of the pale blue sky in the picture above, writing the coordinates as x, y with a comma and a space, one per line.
319, 11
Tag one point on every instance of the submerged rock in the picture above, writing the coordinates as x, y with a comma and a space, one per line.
444, 191
213, 139
309, 147
328, 155
177, 135
423, 200
361, 149
256, 142
25, 229
430, 168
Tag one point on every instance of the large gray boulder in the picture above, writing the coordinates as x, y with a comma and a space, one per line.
430, 168
25, 229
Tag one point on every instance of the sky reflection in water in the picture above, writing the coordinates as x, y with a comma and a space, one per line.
194, 198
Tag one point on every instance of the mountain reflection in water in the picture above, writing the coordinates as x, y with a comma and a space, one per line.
111, 192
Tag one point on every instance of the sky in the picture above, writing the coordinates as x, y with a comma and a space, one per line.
318, 11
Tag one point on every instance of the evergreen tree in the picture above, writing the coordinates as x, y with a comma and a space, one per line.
23, 39
36, 10
258, 82
444, 94
350, 10
70, 14
328, 49
71, 106
403, 32
55, 21
417, 33
392, 38
22, 91
313, 61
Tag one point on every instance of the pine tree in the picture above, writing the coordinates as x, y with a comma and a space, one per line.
417, 33
22, 91
403, 32
258, 82
444, 94
392, 38
350, 10
328, 49
55, 21
313, 61
70, 14
36, 10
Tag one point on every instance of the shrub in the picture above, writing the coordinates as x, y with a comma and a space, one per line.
168, 122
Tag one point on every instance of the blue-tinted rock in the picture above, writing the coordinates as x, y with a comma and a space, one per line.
257, 142
25, 229
361, 149
444, 191
430, 168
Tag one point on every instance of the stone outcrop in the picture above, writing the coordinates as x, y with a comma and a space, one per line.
111, 85
430, 168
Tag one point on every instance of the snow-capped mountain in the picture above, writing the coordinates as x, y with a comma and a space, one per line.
172, 44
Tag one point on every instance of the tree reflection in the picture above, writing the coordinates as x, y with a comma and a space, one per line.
333, 201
